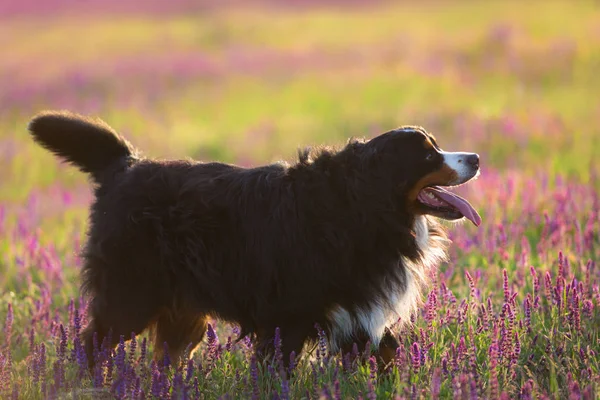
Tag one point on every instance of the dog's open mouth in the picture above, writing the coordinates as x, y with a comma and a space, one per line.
444, 204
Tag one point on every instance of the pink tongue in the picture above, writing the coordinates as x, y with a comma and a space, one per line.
459, 203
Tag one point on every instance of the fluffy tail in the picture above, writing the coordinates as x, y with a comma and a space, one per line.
89, 144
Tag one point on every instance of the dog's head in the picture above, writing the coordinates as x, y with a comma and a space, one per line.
415, 165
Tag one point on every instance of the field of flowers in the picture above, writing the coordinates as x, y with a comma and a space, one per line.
514, 314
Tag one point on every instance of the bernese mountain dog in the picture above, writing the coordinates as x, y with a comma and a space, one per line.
340, 238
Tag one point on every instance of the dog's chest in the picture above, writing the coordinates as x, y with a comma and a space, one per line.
422, 233
400, 299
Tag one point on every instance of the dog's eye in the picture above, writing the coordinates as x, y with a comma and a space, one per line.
430, 155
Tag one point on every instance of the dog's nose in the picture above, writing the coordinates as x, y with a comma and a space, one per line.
473, 160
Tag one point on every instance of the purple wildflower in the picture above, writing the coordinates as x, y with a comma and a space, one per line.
471, 285
536, 281
31, 340
189, 370
511, 317
574, 389
322, 353
80, 355
347, 362
505, 286
36, 366
156, 383
517, 348
42, 367
180, 390
436, 383
8, 322
461, 350
254, 378
536, 303
549, 287
59, 365
165, 384
137, 388
558, 297
490, 309
460, 316
315, 381
527, 306
337, 390
196, 388
460, 386
98, 376
132, 348
212, 348
166, 356
588, 308
373, 368
76, 322
278, 352
292, 365
561, 269
445, 366
120, 356
574, 312
526, 390
109, 369
493, 357
372, 393
118, 388
455, 357
416, 356
483, 319
143, 351
473, 388
431, 308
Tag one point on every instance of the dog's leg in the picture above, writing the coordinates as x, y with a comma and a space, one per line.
385, 352
361, 340
179, 330
292, 340
119, 319
387, 349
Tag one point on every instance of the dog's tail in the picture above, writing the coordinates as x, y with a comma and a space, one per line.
89, 144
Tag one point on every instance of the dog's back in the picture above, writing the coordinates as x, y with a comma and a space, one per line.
172, 241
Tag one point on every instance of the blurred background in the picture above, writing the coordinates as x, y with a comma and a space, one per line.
250, 82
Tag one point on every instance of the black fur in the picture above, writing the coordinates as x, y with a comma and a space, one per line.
172, 242
90, 145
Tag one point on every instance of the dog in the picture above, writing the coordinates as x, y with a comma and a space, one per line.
343, 238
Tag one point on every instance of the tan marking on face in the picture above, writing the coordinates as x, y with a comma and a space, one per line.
443, 176
427, 144
433, 139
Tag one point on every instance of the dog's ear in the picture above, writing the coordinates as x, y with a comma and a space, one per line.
367, 152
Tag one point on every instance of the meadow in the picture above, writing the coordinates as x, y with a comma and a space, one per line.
515, 313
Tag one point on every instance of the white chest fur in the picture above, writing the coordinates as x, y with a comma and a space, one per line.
398, 302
